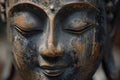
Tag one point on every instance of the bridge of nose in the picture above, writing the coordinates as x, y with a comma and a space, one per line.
52, 49
50, 43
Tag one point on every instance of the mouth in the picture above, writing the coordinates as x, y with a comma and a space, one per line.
53, 71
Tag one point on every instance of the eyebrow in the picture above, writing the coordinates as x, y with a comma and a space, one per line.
23, 6
82, 5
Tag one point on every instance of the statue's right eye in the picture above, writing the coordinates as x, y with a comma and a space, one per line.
27, 32
28, 23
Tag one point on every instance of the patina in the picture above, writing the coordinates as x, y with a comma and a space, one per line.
56, 39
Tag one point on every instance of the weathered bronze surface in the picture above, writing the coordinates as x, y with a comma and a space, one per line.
56, 39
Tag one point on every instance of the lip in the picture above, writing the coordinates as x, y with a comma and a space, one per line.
53, 71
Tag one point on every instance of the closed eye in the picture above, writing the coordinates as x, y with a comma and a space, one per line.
27, 32
80, 29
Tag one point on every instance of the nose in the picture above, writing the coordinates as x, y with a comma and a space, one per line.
52, 49
51, 44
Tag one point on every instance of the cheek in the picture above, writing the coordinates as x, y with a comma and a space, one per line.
18, 42
19, 50
88, 53
19, 45
86, 47
24, 58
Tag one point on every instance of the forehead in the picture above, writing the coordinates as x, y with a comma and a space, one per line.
48, 2
47, 5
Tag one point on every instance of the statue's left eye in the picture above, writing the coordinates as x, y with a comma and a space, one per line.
78, 28
78, 22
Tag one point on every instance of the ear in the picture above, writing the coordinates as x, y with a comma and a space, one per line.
2, 10
109, 8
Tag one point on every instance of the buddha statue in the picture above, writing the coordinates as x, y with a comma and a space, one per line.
56, 39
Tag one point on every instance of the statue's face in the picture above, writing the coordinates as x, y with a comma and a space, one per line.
55, 43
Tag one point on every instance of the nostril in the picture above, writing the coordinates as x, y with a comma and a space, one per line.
51, 47
49, 53
52, 59
52, 51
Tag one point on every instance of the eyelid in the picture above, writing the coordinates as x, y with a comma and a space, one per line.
27, 31
80, 29
18, 27
81, 26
